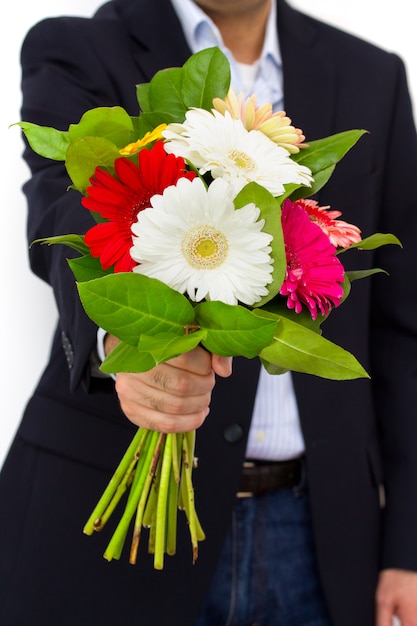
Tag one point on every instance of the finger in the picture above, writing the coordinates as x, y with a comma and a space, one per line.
384, 614
132, 390
166, 423
157, 410
222, 365
171, 379
175, 393
197, 361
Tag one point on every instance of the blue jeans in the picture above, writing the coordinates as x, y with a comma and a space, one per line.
267, 573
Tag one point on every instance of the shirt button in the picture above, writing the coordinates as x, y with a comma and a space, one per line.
233, 433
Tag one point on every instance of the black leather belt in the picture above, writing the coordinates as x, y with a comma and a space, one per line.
259, 477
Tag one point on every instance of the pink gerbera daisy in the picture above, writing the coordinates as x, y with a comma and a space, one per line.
119, 199
341, 234
314, 273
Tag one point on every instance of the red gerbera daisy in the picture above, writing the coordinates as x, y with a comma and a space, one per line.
339, 232
314, 273
119, 199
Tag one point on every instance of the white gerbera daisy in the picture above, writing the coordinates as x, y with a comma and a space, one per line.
218, 144
194, 240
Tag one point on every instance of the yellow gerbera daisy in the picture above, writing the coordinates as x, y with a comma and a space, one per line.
148, 137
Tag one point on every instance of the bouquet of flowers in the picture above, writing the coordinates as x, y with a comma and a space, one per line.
205, 234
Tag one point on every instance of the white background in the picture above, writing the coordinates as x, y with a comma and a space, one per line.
27, 312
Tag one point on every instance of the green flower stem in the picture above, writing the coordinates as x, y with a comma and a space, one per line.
127, 479
118, 547
190, 437
194, 525
172, 511
157, 470
122, 472
176, 455
157, 445
152, 534
135, 493
182, 494
150, 508
161, 510
115, 547
193, 463
201, 535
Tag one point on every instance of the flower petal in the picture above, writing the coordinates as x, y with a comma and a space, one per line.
194, 240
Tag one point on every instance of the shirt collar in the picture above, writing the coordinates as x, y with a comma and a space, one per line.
200, 32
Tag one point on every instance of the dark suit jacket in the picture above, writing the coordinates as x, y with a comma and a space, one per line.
358, 434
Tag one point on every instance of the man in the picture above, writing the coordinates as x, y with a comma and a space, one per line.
357, 439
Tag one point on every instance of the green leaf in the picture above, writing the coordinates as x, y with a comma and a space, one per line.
150, 351
374, 241
358, 274
149, 121
127, 358
142, 96
321, 157
128, 305
84, 155
274, 370
76, 242
271, 212
111, 123
278, 309
206, 75
233, 330
165, 93
171, 92
299, 349
347, 287
135, 134
87, 268
166, 346
48, 142
320, 179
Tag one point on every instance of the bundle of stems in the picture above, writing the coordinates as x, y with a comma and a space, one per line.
156, 470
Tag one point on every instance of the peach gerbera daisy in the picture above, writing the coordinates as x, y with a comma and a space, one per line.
277, 126
341, 234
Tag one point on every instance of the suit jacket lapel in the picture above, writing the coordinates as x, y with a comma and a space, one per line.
157, 34
309, 76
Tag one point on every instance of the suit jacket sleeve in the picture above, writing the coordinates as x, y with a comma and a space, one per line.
394, 334
59, 83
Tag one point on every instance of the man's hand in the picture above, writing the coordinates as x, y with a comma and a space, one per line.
397, 596
174, 396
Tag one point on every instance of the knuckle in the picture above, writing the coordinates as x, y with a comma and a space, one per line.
165, 424
200, 418
183, 384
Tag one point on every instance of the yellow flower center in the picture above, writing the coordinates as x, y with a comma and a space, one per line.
205, 247
241, 159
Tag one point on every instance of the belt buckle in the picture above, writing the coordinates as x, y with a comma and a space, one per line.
246, 494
